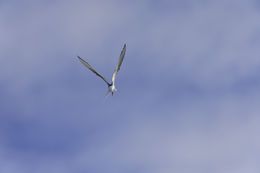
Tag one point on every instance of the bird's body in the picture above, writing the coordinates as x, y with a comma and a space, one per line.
111, 86
112, 89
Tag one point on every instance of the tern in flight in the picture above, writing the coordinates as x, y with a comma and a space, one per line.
111, 86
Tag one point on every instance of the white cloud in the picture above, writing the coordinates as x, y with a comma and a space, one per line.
210, 45
225, 142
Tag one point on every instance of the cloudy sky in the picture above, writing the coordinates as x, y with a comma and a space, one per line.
189, 87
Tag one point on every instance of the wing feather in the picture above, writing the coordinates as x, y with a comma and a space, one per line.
92, 69
121, 58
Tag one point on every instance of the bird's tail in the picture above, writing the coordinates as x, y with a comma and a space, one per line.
107, 94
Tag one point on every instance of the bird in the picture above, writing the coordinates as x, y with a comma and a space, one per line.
111, 85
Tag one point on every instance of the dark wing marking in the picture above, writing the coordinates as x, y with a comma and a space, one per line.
121, 58
91, 68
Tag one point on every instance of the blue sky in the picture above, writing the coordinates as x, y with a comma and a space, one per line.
189, 86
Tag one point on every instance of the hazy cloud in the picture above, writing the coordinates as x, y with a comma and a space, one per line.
188, 99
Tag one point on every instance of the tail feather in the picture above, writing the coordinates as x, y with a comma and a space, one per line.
107, 94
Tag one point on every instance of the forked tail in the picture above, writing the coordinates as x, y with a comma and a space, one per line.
107, 94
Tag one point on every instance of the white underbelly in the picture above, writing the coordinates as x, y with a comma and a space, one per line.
112, 88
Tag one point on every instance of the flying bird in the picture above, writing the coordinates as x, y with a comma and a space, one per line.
111, 86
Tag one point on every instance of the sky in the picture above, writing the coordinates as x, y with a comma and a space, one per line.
188, 97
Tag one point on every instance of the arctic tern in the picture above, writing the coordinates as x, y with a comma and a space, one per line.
111, 86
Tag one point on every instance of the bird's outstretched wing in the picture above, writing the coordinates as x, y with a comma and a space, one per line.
94, 71
121, 58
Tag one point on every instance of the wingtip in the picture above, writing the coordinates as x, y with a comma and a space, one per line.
79, 57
